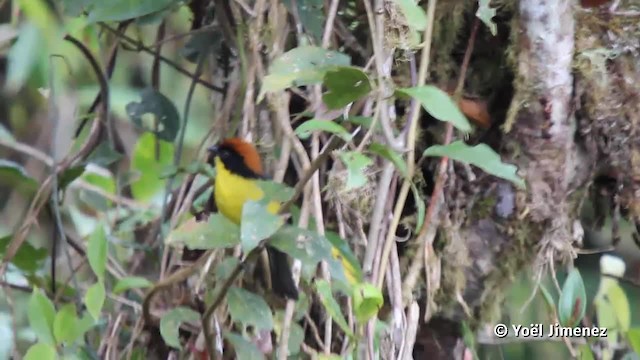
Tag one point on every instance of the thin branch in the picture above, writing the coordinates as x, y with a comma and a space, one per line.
164, 59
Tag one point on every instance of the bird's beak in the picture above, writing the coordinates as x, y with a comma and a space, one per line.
213, 150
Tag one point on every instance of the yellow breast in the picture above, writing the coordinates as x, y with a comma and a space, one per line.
232, 191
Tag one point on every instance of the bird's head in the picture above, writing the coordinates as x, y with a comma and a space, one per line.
238, 156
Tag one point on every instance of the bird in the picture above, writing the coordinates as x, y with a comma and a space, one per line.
238, 170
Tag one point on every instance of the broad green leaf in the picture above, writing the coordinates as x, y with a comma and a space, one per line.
573, 300
214, 233
163, 110
310, 126
413, 13
618, 299
480, 155
296, 338
65, 324
585, 352
439, 105
75, 8
94, 299
171, 321
131, 282
118, 10
344, 85
258, 223
144, 161
245, 350
391, 155
69, 175
486, 13
24, 56
41, 314
41, 351
104, 155
349, 261
27, 258
312, 18
224, 268
14, 176
356, 164
364, 121
367, 301
310, 248
249, 309
304, 65
97, 250
331, 305
275, 191
633, 335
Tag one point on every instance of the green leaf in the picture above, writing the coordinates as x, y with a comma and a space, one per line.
296, 338
27, 258
104, 155
13, 176
573, 300
65, 324
214, 233
249, 309
310, 248
310, 126
131, 282
585, 352
275, 191
311, 13
618, 299
97, 251
304, 65
245, 350
331, 305
391, 155
144, 161
439, 105
633, 336
356, 163
486, 13
164, 112
257, 224
352, 267
171, 321
367, 301
24, 56
41, 314
94, 299
413, 13
118, 10
480, 155
69, 175
344, 85
41, 351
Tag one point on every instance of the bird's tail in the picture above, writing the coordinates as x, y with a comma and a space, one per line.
281, 276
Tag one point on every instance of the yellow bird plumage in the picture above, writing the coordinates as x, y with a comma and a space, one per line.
238, 167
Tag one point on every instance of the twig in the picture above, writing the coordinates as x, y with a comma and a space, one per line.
178, 153
411, 140
167, 61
